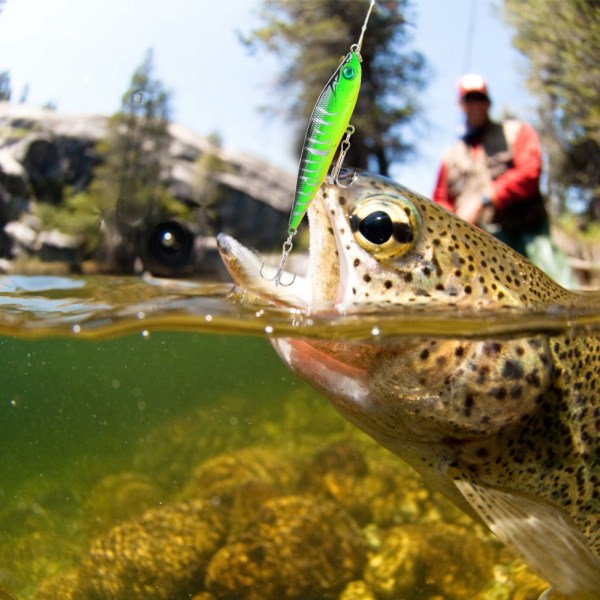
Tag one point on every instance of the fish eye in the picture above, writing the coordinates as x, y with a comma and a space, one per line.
348, 73
385, 227
376, 227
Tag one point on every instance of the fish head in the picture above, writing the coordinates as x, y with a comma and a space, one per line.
378, 246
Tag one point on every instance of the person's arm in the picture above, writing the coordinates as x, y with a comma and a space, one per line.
522, 181
441, 194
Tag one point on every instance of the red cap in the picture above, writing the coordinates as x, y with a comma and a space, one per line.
471, 83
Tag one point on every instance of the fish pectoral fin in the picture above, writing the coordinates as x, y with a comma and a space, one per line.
540, 532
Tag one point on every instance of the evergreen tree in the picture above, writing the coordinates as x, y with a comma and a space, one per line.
138, 144
561, 40
128, 192
5, 89
311, 37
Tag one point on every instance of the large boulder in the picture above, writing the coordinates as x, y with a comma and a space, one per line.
43, 153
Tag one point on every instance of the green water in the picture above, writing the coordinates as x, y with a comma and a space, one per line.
83, 400
73, 411
122, 396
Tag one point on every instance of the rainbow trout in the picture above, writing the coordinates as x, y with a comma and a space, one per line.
507, 428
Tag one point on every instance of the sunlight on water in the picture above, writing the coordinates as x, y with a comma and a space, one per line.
139, 459
105, 307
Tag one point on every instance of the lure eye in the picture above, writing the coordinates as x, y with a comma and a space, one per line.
385, 227
348, 73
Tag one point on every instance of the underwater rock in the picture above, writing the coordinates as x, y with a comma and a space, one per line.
343, 456
161, 555
441, 560
296, 548
357, 590
6, 595
65, 587
220, 477
371, 487
117, 497
513, 580
397, 494
340, 472
247, 501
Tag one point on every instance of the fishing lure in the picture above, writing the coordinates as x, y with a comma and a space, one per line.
329, 121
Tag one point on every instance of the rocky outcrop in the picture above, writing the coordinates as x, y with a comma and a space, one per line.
43, 153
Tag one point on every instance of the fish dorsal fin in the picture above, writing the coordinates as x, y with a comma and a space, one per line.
540, 532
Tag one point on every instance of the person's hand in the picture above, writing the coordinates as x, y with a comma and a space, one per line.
470, 208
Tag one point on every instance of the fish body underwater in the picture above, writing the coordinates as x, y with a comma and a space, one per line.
507, 428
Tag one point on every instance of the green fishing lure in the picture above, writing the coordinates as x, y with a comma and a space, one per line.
329, 121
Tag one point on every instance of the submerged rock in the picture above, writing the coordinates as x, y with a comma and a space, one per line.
340, 472
6, 595
440, 560
119, 497
219, 478
265, 522
162, 555
357, 590
372, 487
296, 548
65, 587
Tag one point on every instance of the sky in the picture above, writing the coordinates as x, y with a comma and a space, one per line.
81, 55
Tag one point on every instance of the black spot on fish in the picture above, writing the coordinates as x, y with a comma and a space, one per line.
516, 392
499, 393
512, 369
492, 348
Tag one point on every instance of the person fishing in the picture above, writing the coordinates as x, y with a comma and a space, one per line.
491, 178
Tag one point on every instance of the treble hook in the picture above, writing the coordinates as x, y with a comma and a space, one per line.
335, 172
285, 252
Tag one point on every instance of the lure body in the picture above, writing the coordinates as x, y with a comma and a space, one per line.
328, 123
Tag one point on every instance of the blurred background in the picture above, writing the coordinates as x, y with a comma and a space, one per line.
130, 133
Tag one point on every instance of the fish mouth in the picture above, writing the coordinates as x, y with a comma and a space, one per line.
322, 286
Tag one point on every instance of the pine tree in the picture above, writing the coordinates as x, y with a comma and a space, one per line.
5, 89
561, 40
128, 192
138, 144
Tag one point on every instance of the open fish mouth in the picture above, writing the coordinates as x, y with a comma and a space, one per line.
324, 282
